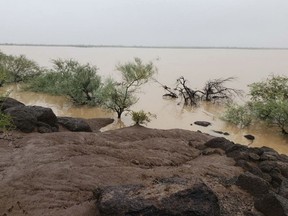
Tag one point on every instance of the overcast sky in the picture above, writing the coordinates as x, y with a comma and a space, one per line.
242, 23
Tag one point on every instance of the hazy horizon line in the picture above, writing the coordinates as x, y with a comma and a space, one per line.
140, 46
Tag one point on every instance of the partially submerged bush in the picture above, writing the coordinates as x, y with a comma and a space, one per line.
17, 68
68, 77
269, 103
238, 115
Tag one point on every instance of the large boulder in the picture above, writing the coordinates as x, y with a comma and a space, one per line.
74, 124
162, 199
253, 184
272, 205
219, 142
29, 118
22, 118
44, 114
7, 102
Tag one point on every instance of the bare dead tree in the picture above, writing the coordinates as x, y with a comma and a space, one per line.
190, 96
171, 93
215, 90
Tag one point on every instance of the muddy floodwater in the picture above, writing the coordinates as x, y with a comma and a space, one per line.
196, 65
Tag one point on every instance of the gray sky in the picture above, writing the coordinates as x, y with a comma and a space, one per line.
242, 23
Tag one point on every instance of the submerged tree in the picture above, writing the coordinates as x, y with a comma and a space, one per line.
190, 96
68, 77
17, 68
269, 103
120, 96
213, 90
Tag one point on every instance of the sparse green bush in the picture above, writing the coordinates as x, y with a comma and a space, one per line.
269, 103
141, 117
6, 122
238, 115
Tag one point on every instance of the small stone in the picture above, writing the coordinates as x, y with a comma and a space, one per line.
202, 123
249, 137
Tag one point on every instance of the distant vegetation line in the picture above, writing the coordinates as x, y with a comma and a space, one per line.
138, 46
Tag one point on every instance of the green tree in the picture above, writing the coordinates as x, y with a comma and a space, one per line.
3, 71
120, 96
78, 81
269, 103
19, 68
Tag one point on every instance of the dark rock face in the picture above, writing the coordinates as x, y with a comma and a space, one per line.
249, 137
6, 103
219, 142
43, 114
253, 184
23, 119
134, 200
29, 118
74, 124
202, 123
266, 176
283, 190
272, 205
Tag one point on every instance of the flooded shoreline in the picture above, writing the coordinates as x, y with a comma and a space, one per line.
196, 65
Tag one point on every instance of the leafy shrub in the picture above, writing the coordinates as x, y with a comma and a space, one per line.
238, 115
269, 103
141, 117
17, 68
6, 122
68, 77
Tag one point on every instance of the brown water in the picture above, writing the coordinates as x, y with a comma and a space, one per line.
196, 65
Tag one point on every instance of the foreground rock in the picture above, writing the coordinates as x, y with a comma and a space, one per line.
163, 171
265, 178
30, 118
170, 196
133, 171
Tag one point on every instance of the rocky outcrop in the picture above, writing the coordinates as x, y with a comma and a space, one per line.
30, 118
74, 124
6, 102
266, 174
153, 172
163, 198
43, 120
133, 171
272, 204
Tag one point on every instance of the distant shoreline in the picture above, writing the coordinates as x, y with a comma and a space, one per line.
142, 47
